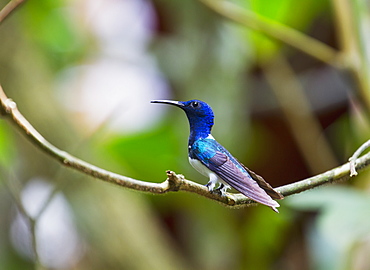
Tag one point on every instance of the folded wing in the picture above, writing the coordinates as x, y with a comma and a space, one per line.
221, 164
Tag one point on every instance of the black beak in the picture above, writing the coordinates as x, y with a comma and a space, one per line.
171, 102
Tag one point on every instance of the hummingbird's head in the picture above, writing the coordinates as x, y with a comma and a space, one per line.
196, 110
199, 113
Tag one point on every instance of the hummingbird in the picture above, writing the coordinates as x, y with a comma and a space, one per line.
212, 160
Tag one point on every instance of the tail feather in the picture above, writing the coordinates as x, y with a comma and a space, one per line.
264, 185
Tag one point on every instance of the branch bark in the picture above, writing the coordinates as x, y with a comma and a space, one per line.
174, 182
12, 5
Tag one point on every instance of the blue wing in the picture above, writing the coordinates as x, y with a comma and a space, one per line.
216, 158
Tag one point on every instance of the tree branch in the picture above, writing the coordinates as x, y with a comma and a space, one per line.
174, 182
9, 8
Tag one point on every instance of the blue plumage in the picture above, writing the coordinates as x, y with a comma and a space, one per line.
211, 159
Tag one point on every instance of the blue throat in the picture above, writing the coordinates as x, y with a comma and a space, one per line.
200, 128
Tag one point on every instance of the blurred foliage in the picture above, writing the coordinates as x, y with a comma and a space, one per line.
340, 227
201, 55
6, 147
158, 147
285, 12
48, 25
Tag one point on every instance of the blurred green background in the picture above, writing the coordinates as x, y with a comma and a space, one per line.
83, 73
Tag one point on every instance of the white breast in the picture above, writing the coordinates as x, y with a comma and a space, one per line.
200, 167
213, 178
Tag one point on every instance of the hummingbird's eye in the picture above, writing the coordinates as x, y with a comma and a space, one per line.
195, 104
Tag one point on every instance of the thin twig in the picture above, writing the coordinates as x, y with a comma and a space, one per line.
343, 15
14, 188
174, 182
9, 8
353, 159
276, 30
353, 34
362, 28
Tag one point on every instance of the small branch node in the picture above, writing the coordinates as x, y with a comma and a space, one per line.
354, 157
174, 180
230, 200
9, 105
352, 166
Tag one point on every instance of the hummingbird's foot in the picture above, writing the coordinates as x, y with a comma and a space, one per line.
210, 185
222, 189
218, 192
211, 188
